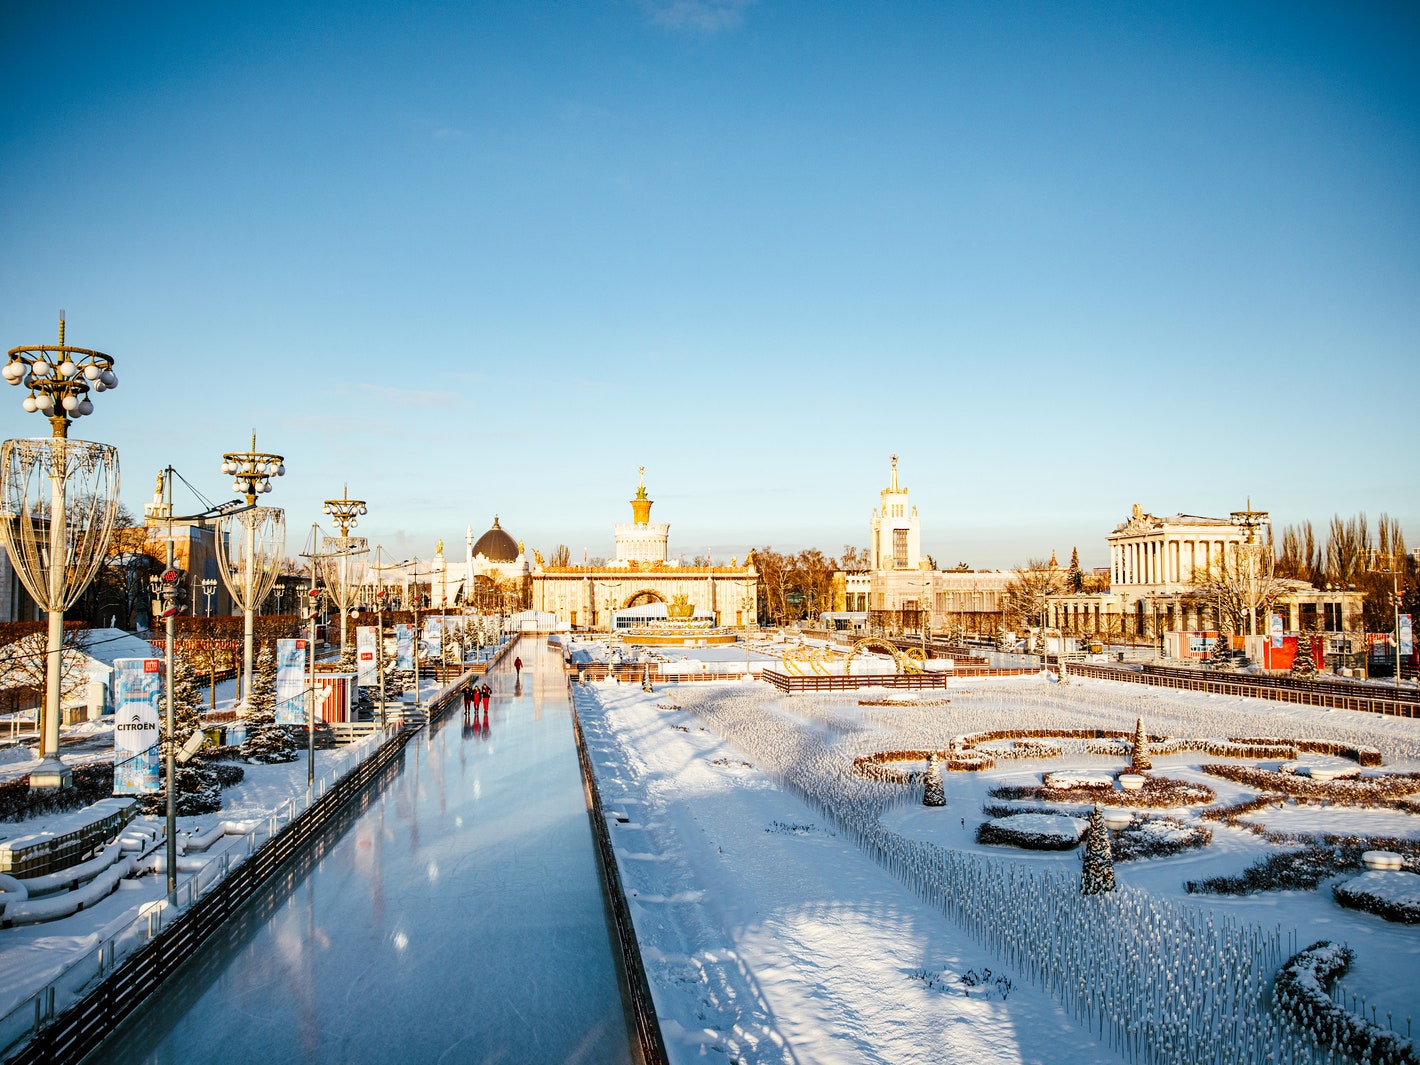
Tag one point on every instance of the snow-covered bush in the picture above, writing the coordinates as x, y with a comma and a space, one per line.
1034, 831
1392, 894
1158, 837
932, 793
1302, 993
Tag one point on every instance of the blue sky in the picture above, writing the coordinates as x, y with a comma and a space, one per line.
480, 258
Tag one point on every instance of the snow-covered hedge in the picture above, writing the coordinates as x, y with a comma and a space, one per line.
1158, 837
1037, 832
1392, 894
1158, 792
1367, 790
1303, 994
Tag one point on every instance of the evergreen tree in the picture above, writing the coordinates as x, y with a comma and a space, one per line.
1221, 657
349, 663
1097, 872
1075, 577
266, 742
934, 795
1302, 664
1140, 762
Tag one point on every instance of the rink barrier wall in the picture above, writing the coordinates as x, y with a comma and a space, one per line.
82, 1027
643, 1008
1367, 700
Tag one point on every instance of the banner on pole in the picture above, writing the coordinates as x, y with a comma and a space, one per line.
1407, 642
434, 636
1276, 632
138, 697
290, 682
367, 663
404, 647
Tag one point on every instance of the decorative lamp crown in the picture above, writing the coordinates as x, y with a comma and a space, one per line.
641, 504
251, 471
59, 379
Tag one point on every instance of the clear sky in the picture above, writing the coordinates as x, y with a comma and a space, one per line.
478, 258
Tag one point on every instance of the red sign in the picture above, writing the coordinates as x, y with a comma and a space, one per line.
152, 665
367, 656
300, 645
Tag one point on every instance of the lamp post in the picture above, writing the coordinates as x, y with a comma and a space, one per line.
342, 589
209, 589
312, 617
57, 544
249, 563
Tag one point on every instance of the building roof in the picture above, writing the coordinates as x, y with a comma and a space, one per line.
496, 545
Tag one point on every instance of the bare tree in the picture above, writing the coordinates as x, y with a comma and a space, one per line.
561, 556
1028, 591
1240, 583
24, 652
853, 558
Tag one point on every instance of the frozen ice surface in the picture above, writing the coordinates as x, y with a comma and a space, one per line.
458, 917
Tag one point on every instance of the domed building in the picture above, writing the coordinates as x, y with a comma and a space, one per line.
496, 569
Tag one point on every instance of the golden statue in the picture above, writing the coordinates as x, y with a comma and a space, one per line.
439, 548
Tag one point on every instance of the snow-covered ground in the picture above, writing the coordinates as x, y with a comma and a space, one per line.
789, 910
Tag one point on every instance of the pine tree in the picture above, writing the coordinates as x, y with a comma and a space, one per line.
266, 742
934, 795
1097, 871
1139, 761
1075, 577
1221, 657
1302, 665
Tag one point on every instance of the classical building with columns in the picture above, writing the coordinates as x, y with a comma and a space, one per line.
1159, 569
643, 584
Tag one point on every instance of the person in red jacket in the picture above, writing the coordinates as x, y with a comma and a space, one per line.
518, 667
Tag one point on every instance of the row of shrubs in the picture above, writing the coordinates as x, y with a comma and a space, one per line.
1158, 792
1302, 992
1366, 790
1353, 895
91, 783
963, 753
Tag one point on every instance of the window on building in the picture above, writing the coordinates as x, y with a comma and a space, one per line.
899, 548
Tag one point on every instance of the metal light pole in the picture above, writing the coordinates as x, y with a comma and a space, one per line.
249, 565
342, 590
311, 703
209, 588
56, 545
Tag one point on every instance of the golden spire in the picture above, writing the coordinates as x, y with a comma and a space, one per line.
641, 504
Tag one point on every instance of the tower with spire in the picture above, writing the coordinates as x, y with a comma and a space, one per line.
894, 532
640, 542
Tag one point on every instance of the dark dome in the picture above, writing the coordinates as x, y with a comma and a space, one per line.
496, 545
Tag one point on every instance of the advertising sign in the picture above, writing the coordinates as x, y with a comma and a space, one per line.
404, 647
138, 697
290, 682
368, 664
434, 636
1276, 632
1407, 643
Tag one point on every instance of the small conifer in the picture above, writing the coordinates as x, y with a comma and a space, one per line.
1139, 761
934, 794
1097, 871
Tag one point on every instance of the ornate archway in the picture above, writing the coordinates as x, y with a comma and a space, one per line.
643, 598
906, 663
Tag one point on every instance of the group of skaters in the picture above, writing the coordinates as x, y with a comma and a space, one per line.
476, 695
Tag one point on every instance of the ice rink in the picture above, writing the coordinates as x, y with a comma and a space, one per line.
457, 917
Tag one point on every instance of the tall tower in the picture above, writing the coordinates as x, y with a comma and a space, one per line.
640, 541
894, 532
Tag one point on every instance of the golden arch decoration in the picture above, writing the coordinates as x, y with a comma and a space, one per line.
910, 662
643, 598
802, 661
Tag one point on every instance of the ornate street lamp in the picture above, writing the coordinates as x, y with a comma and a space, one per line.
250, 559
344, 556
58, 501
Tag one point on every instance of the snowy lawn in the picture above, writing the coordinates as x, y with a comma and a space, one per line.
766, 926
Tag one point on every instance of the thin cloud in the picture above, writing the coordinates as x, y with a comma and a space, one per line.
696, 16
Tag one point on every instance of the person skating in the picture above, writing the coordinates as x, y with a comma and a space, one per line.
518, 667
487, 694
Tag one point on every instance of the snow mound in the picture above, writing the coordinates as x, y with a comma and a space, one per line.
1388, 893
17, 753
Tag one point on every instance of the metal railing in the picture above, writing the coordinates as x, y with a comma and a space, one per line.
1255, 687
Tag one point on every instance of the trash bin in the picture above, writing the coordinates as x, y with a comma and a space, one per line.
216, 735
